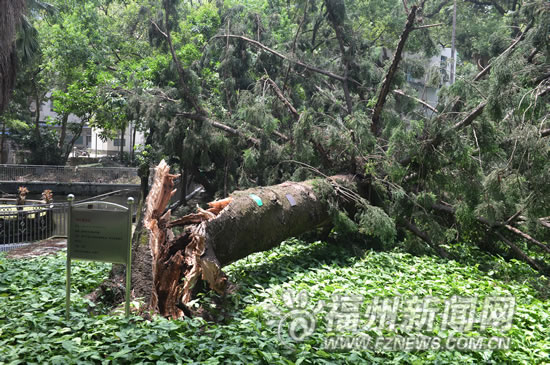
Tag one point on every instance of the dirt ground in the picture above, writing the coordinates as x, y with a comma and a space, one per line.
36, 249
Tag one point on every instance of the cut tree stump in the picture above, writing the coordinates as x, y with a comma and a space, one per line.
167, 269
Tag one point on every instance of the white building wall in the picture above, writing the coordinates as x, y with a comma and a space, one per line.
90, 140
46, 110
440, 63
112, 146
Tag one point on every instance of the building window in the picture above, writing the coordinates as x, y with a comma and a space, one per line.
117, 142
88, 141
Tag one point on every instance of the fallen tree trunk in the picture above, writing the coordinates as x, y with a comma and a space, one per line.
167, 269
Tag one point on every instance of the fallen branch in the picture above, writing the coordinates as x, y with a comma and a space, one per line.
543, 92
470, 117
201, 113
282, 56
221, 126
424, 236
439, 137
280, 95
188, 95
400, 92
510, 48
527, 237
385, 89
519, 253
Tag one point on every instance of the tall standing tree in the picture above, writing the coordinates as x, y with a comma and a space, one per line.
10, 17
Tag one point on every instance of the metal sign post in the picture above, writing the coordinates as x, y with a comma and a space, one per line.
99, 231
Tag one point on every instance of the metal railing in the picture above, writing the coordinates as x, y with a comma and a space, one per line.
46, 173
35, 221
28, 223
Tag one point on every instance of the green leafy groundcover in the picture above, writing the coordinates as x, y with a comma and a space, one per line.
33, 329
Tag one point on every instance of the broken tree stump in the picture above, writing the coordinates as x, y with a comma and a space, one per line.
167, 268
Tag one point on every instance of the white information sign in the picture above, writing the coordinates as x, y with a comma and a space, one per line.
99, 231
99, 235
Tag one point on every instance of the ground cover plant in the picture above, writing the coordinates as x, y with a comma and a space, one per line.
244, 329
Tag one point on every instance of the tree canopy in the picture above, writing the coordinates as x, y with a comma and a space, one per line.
246, 93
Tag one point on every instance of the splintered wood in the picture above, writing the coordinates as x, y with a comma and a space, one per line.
178, 258
249, 221
165, 274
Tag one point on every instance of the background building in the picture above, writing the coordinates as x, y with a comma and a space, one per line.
90, 141
437, 74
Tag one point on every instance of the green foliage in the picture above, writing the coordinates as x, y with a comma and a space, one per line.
375, 222
110, 63
46, 151
33, 328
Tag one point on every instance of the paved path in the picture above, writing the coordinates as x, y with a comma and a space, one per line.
36, 249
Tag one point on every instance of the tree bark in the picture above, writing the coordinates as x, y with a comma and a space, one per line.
122, 142
2, 139
168, 269
10, 17
132, 154
63, 136
385, 89
71, 143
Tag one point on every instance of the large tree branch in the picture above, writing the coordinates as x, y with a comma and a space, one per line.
282, 56
527, 237
543, 92
322, 152
385, 89
187, 94
456, 104
400, 92
510, 48
285, 101
519, 253
470, 117
221, 126
424, 236
439, 138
